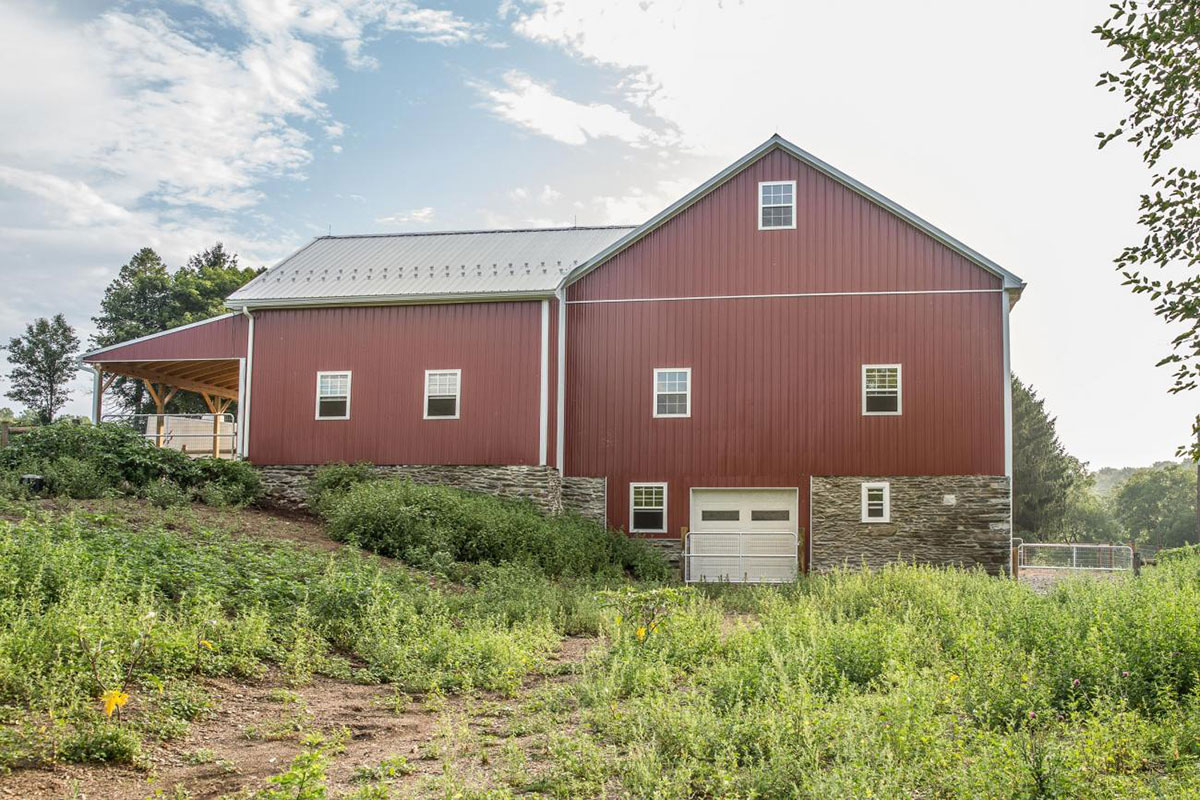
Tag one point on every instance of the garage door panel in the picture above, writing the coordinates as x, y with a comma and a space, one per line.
743, 535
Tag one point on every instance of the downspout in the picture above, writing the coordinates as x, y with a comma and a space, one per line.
244, 388
97, 390
560, 427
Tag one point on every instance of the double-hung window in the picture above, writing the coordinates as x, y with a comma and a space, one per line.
876, 502
673, 392
776, 205
443, 391
333, 395
881, 389
647, 507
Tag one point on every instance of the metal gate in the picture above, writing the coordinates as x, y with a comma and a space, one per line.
1047, 555
739, 557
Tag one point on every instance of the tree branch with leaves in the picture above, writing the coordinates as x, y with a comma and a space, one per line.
1160, 80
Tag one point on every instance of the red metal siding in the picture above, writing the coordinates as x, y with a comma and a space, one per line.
552, 404
223, 338
776, 394
388, 349
842, 243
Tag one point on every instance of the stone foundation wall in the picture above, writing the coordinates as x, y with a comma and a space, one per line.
286, 486
962, 520
587, 497
672, 550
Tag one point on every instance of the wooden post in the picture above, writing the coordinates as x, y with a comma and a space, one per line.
160, 405
3, 435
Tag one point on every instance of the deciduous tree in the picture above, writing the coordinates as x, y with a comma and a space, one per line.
43, 360
1159, 41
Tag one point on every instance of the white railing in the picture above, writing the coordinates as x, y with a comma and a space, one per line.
740, 557
212, 435
1047, 555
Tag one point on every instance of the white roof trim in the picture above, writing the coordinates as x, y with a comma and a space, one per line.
150, 336
387, 299
1010, 281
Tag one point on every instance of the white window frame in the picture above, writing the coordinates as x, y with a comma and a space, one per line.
654, 390
457, 394
349, 391
665, 506
899, 390
761, 206
887, 501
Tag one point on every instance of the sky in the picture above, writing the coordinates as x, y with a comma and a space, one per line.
264, 123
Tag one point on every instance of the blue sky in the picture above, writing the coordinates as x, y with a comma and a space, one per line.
263, 123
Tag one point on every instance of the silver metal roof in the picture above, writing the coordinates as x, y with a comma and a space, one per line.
426, 267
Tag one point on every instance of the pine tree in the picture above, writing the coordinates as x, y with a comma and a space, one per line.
1044, 474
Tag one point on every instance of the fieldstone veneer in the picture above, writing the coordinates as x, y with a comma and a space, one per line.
962, 520
287, 486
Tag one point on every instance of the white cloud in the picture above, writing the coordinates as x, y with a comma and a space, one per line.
535, 107
639, 205
417, 216
133, 128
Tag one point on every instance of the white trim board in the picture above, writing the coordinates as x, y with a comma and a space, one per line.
782, 295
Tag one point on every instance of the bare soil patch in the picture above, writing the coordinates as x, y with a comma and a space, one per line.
257, 729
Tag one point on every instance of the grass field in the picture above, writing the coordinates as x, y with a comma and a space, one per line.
195, 652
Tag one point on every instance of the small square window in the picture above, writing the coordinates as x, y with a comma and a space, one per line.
673, 392
776, 205
443, 388
876, 502
881, 390
333, 395
647, 507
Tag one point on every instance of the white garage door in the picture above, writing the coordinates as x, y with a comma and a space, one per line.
742, 536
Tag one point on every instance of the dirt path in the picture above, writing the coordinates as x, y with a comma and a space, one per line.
257, 729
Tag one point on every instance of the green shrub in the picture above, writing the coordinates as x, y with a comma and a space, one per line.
164, 494
102, 742
76, 478
427, 525
119, 454
11, 487
334, 480
227, 482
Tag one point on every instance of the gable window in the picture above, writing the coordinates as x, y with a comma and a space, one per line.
647, 507
673, 392
333, 395
776, 205
876, 502
443, 388
880, 389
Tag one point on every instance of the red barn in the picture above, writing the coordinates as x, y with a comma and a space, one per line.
784, 368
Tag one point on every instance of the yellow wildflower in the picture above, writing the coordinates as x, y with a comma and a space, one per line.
206, 644
113, 700
641, 632
953, 678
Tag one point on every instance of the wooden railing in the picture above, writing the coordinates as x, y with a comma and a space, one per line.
7, 429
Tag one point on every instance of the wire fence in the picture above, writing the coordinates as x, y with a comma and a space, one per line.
212, 435
1048, 555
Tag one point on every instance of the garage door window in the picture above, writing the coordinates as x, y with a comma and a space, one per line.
770, 515
876, 502
648, 507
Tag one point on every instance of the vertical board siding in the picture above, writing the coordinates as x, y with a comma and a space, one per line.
842, 243
776, 391
776, 394
387, 350
221, 338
